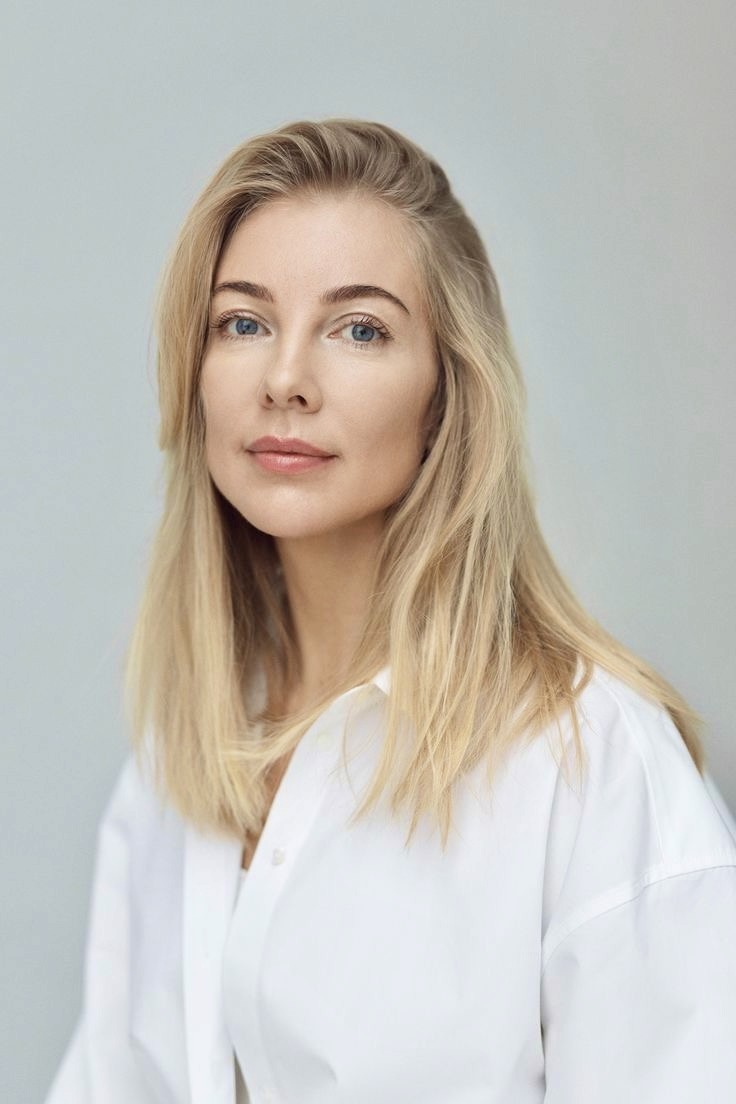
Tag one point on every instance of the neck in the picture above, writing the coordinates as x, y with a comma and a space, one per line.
328, 580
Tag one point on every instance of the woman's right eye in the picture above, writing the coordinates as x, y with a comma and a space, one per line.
234, 326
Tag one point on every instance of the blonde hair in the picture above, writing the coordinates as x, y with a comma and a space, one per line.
482, 633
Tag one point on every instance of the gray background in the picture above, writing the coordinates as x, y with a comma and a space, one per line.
591, 142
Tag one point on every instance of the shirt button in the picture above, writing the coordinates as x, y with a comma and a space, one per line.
323, 739
277, 856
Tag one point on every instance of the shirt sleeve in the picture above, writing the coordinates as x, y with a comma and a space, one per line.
98, 1063
639, 1001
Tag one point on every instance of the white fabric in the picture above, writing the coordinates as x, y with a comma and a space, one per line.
566, 948
241, 1089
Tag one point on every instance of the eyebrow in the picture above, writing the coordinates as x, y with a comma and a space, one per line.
334, 295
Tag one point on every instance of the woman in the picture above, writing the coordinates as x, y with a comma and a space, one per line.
352, 620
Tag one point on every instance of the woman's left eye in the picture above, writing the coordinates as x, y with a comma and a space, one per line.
366, 331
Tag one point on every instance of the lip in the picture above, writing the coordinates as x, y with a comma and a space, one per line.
287, 446
289, 463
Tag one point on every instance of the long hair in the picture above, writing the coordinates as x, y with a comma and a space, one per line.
483, 635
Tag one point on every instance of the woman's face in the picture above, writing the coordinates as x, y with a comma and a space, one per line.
324, 341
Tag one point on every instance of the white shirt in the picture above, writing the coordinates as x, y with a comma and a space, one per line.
230, 968
565, 949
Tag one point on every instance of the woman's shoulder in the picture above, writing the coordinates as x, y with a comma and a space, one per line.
634, 747
641, 814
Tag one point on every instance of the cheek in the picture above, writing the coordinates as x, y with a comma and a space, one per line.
393, 427
222, 416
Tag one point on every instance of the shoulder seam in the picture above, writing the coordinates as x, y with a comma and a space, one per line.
631, 726
623, 894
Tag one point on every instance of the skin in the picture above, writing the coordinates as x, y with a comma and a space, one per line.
294, 371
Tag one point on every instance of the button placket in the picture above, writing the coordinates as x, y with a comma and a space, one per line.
297, 802
298, 799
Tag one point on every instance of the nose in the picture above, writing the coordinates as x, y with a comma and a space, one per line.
289, 379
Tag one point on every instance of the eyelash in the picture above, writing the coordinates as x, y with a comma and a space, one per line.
363, 320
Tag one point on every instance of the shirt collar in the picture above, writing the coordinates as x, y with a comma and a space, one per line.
383, 679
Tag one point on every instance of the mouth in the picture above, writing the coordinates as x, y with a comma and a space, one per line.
288, 463
287, 446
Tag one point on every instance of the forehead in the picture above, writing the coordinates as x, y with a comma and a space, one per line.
322, 241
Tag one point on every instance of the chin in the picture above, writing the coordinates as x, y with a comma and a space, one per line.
290, 527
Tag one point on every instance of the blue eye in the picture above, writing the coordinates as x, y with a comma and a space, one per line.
362, 332
241, 325
367, 331
244, 326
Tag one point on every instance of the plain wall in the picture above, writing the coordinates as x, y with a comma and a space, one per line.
593, 145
